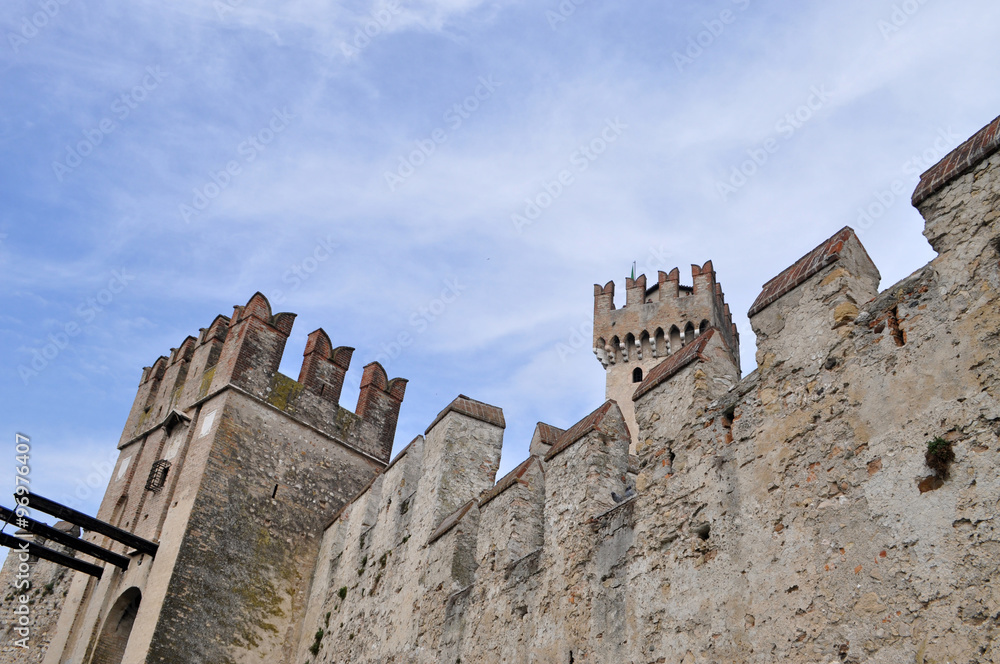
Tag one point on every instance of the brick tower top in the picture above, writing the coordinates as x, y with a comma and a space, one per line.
654, 323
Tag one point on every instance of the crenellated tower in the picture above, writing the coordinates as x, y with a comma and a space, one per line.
655, 322
234, 468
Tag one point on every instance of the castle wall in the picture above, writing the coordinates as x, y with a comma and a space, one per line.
789, 516
405, 545
267, 488
797, 514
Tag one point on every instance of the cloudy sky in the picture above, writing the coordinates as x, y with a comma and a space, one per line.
438, 183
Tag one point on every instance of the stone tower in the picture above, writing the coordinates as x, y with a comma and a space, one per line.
234, 470
654, 323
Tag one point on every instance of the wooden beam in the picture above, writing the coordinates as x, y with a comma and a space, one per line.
90, 523
33, 549
59, 537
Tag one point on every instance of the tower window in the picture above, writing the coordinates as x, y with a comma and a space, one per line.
157, 475
637, 375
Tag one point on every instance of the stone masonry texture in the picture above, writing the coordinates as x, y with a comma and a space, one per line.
837, 504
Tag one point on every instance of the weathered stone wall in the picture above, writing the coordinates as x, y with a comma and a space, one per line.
44, 586
392, 561
798, 514
267, 489
788, 516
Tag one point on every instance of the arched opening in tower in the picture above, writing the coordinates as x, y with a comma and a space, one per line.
117, 628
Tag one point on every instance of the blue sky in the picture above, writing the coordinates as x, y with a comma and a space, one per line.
392, 171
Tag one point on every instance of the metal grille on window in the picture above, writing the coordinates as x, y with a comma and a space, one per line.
157, 475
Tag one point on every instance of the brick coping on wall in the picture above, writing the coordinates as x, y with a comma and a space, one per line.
477, 410
958, 162
795, 275
670, 366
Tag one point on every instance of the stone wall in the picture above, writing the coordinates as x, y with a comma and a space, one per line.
44, 586
838, 504
793, 515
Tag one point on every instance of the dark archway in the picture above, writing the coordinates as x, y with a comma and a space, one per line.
117, 628
637, 375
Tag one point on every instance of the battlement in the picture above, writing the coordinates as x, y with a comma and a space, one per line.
438, 515
789, 459
958, 162
656, 323
243, 353
800, 513
659, 320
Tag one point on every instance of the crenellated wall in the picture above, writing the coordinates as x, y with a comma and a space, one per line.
808, 512
790, 515
429, 550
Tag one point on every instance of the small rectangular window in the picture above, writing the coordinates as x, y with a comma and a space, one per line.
157, 475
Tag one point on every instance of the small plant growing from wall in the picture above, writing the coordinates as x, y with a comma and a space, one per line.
317, 643
939, 457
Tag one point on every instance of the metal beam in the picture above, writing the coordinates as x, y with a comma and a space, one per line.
44, 553
90, 523
59, 537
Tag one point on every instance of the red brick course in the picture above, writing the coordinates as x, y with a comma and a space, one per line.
590, 423
826, 253
958, 162
548, 433
477, 410
508, 480
670, 366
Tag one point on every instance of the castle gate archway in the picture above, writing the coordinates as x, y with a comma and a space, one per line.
117, 628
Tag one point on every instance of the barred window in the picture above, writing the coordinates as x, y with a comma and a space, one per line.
157, 475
